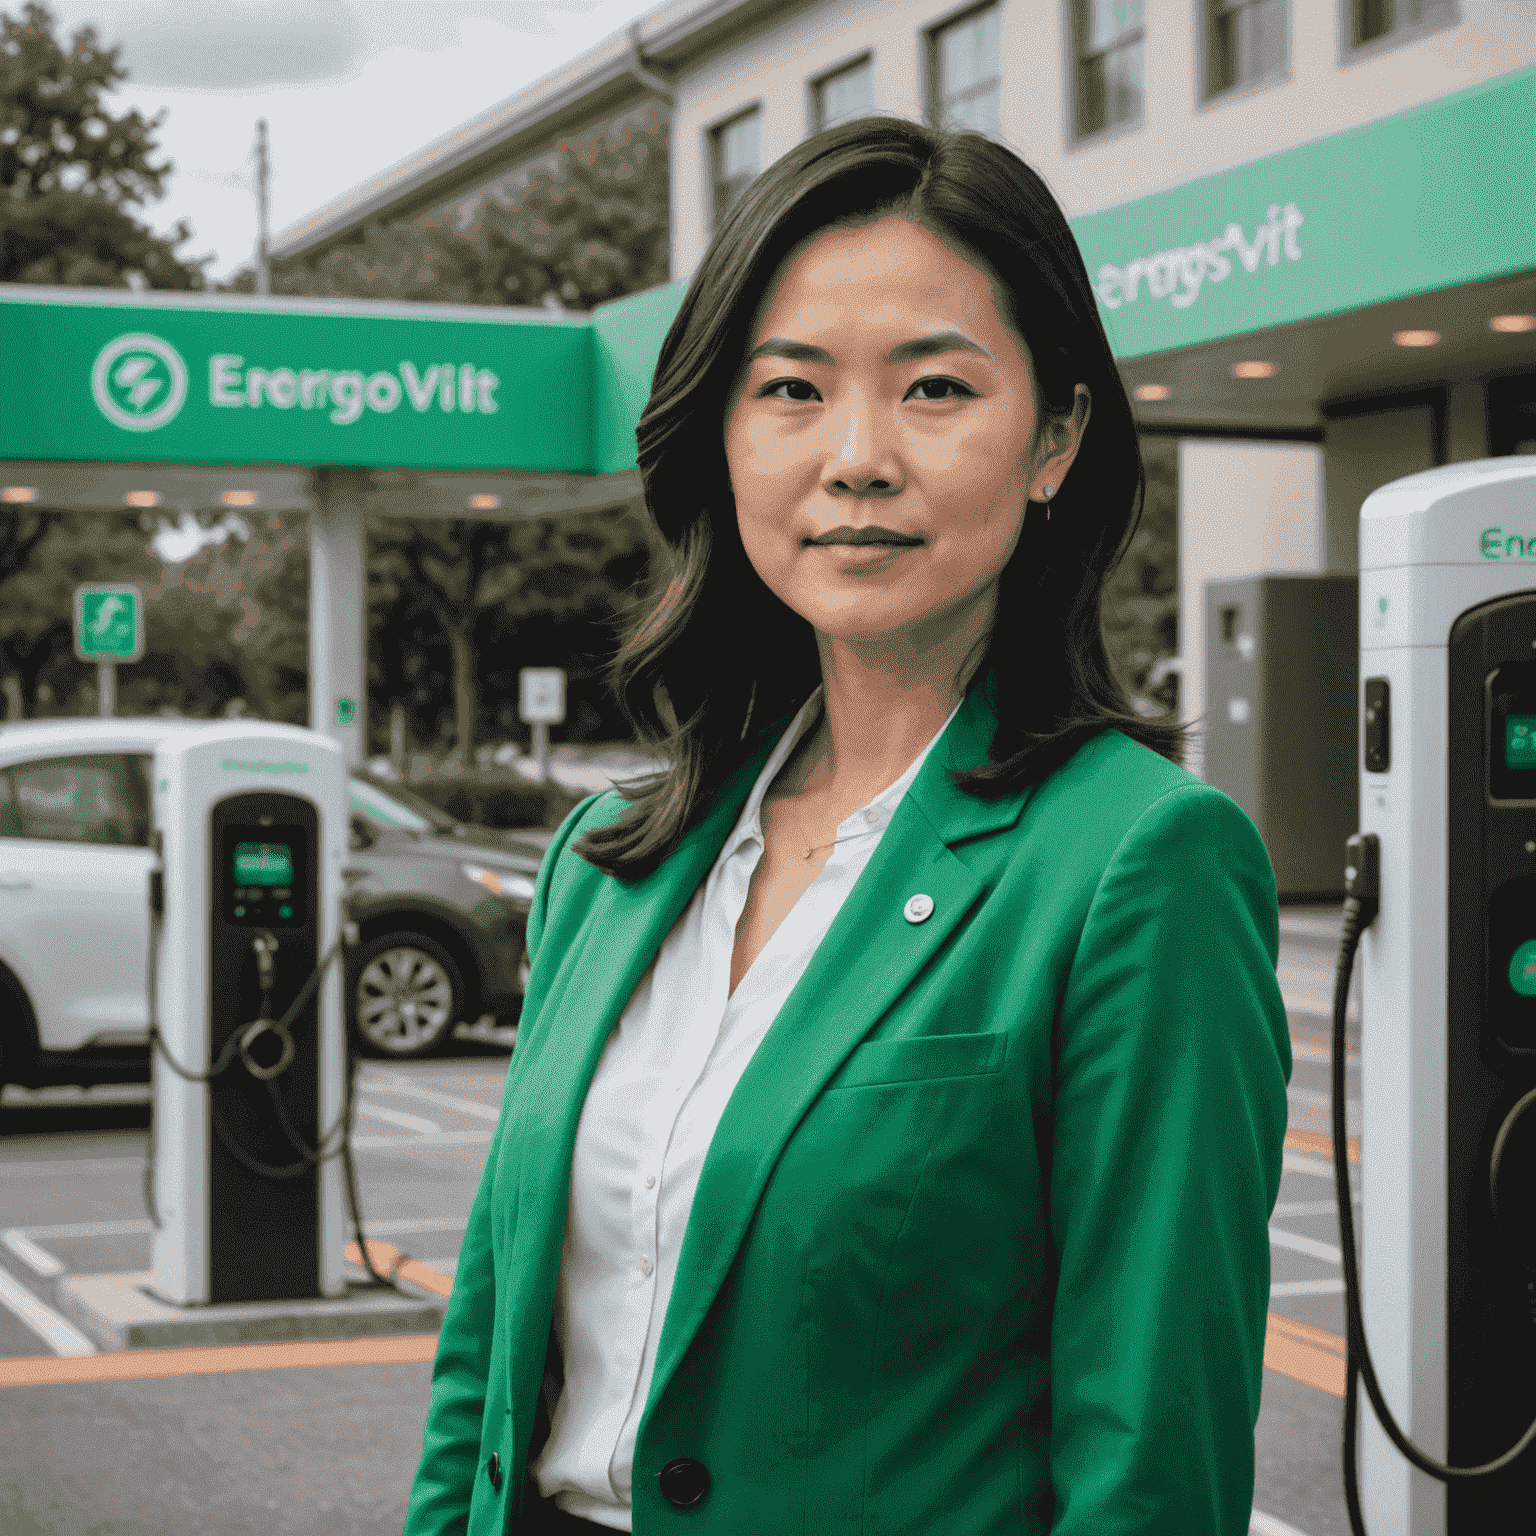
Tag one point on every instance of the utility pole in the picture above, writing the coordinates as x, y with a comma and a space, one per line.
263, 170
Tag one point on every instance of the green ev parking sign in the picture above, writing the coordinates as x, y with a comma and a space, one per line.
109, 623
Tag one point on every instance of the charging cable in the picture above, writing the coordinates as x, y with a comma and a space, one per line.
239, 1044
1362, 901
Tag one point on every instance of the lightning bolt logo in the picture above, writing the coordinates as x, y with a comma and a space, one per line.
131, 379
102, 623
139, 382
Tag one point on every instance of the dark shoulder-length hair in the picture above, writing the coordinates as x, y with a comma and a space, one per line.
710, 648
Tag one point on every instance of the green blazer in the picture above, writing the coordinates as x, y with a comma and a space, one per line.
980, 1244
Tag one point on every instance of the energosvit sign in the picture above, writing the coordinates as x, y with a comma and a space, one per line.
139, 383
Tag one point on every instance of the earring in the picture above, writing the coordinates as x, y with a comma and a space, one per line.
1049, 491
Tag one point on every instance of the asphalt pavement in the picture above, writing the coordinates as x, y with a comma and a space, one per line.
259, 1444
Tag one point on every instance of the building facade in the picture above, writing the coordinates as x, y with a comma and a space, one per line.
1310, 222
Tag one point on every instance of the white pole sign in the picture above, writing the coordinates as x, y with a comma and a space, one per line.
541, 704
541, 695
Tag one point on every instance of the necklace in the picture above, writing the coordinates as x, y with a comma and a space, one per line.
807, 849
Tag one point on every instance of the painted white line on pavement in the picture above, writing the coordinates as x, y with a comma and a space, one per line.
1310, 1246
69, 1165
1307, 1207
14, 1096
1332, 1286
476, 1138
131, 1228
403, 1224
1304, 1050
1300, 1162
56, 1331
38, 1260
397, 1117
378, 1083
1314, 1098
1260, 1524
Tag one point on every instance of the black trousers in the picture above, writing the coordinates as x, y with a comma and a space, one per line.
543, 1517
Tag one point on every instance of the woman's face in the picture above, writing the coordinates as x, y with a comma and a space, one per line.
883, 437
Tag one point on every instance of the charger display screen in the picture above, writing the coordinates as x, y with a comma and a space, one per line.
263, 873
1520, 742
263, 864
1511, 701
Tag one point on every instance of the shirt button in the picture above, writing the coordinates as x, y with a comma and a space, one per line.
650, 1183
918, 909
871, 818
645, 1266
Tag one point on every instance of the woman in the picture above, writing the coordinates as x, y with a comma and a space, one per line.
898, 1105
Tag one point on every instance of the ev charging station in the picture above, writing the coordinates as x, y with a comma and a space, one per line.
1448, 1031
250, 822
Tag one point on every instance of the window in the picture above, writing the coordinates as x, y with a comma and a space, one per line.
966, 73
1245, 41
98, 799
847, 93
1371, 21
736, 148
1110, 73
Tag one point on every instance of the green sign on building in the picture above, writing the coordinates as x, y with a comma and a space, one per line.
109, 623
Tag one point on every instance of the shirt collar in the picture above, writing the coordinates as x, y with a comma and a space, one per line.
749, 824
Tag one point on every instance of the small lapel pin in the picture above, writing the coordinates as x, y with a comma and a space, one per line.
918, 909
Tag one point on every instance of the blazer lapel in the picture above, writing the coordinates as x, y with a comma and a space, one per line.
627, 926
868, 958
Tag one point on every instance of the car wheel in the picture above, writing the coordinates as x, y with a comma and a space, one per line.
407, 994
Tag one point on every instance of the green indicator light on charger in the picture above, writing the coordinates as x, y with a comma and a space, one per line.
288, 912
1522, 969
1520, 741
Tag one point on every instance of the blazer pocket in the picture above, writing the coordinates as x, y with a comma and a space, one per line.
924, 1059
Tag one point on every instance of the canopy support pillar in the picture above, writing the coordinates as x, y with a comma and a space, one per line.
338, 610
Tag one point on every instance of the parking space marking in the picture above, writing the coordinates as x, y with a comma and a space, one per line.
1312, 1356
1308, 1207
70, 1165
400, 1225
38, 1260
55, 1330
1331, 1285
391, 1262
1320, 1145
1305, 1050
396, 1117
475, 1138
216, 1359
135, 1227
1260, 1524
379, 1083
1313, 1247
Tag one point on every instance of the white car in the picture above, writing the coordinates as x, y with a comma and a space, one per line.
74, 890
74, 913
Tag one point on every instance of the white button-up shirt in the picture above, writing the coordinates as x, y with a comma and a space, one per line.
656, 1097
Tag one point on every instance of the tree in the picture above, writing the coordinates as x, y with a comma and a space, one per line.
589, 227
71, 171
539, 591
444, 566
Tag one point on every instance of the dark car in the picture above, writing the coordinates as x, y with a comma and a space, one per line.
441, 909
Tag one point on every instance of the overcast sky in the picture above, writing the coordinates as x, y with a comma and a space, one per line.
348, 87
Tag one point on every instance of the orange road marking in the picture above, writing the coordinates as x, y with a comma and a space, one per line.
1322, 1146
391, 1262
1312, 1356
215, 1359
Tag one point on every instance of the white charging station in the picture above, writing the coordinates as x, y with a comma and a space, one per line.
1448, 1032
251, 823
